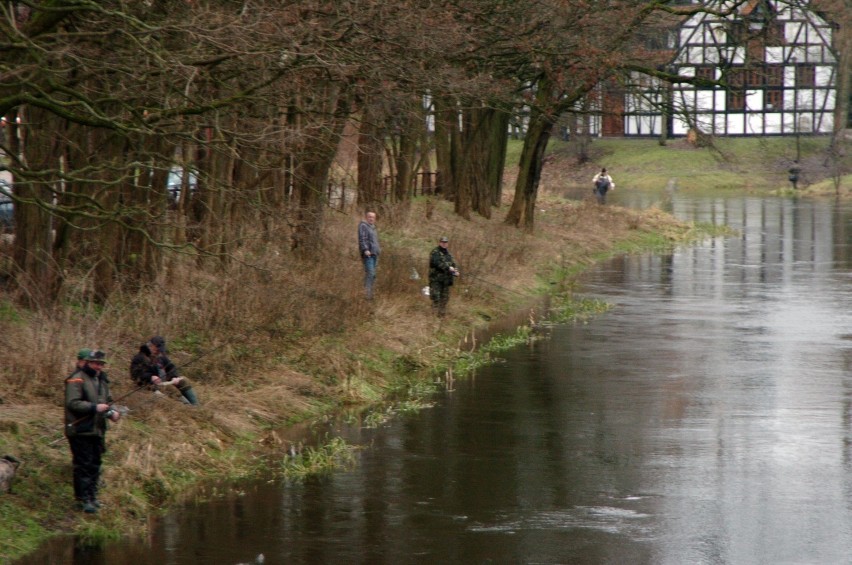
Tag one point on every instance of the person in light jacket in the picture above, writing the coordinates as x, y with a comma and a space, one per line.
602, 184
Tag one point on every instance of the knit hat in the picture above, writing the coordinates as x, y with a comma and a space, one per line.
83, 353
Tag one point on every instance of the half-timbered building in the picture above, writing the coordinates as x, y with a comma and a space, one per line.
767, 67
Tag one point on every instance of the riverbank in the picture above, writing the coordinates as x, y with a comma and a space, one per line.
282, 341
754, 165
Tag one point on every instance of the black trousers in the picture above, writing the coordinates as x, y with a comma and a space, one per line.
86, 452
440, 295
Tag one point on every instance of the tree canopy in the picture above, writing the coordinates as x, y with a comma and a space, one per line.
243, 104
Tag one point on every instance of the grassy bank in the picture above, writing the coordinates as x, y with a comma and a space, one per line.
758, 165
273, 339
269, 346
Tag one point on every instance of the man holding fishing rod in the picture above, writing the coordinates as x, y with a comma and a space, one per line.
87, 408
442, 270
151, 367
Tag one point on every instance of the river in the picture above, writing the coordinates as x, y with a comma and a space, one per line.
705, 419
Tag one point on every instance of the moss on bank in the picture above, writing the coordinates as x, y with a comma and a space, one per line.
288, 344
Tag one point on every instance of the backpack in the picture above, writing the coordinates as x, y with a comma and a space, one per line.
602, 184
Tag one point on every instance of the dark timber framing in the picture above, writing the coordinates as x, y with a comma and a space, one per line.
775, 66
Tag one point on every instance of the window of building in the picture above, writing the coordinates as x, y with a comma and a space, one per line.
737, 33
774, 75
736, 77
755, 77
736, 100
805, 76
756, 50
775, 34
705, 72
773, 99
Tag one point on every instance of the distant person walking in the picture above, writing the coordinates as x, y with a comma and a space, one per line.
87, 408
368, 245
602, 184
442, 270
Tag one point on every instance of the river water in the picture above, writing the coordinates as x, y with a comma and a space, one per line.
705, 419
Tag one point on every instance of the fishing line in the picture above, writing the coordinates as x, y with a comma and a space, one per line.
475, 277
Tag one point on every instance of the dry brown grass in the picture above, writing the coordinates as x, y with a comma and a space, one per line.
282, 310
270, 337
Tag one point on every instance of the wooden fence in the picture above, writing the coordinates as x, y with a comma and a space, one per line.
340, 195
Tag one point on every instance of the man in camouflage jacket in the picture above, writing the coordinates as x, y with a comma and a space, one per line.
442, 270
87, 408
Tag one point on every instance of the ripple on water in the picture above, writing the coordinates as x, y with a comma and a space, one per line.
607, 519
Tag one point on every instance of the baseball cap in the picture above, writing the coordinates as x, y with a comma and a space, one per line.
98, 356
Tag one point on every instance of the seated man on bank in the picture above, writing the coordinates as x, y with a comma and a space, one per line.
152, 367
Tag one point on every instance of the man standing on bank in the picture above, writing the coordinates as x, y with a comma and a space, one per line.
87, 407
368, 245
442, 270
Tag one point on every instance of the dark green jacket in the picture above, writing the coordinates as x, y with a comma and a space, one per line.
440, 262
146, 365
84, 390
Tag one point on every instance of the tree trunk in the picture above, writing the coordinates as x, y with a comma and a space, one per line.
665, 113
522, 212
498, 139
446, 127
479, 149
143, 195
465, 166
844, 83
312, 165
370, 163
209, 206
35, 270
409, 135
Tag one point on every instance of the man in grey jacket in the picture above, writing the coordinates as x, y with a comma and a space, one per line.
368, 245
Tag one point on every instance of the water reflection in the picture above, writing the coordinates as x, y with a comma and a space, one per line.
705, 419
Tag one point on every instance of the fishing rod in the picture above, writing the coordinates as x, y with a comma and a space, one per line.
415, 276
106, 414
146, 385
113, 403
232, 339
476, 277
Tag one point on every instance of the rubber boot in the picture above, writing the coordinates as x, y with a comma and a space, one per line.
189, 394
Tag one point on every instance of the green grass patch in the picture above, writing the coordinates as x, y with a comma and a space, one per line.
565, 309
469, 361
10, 313
331, 456
20, 531
735, 163
513, 152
